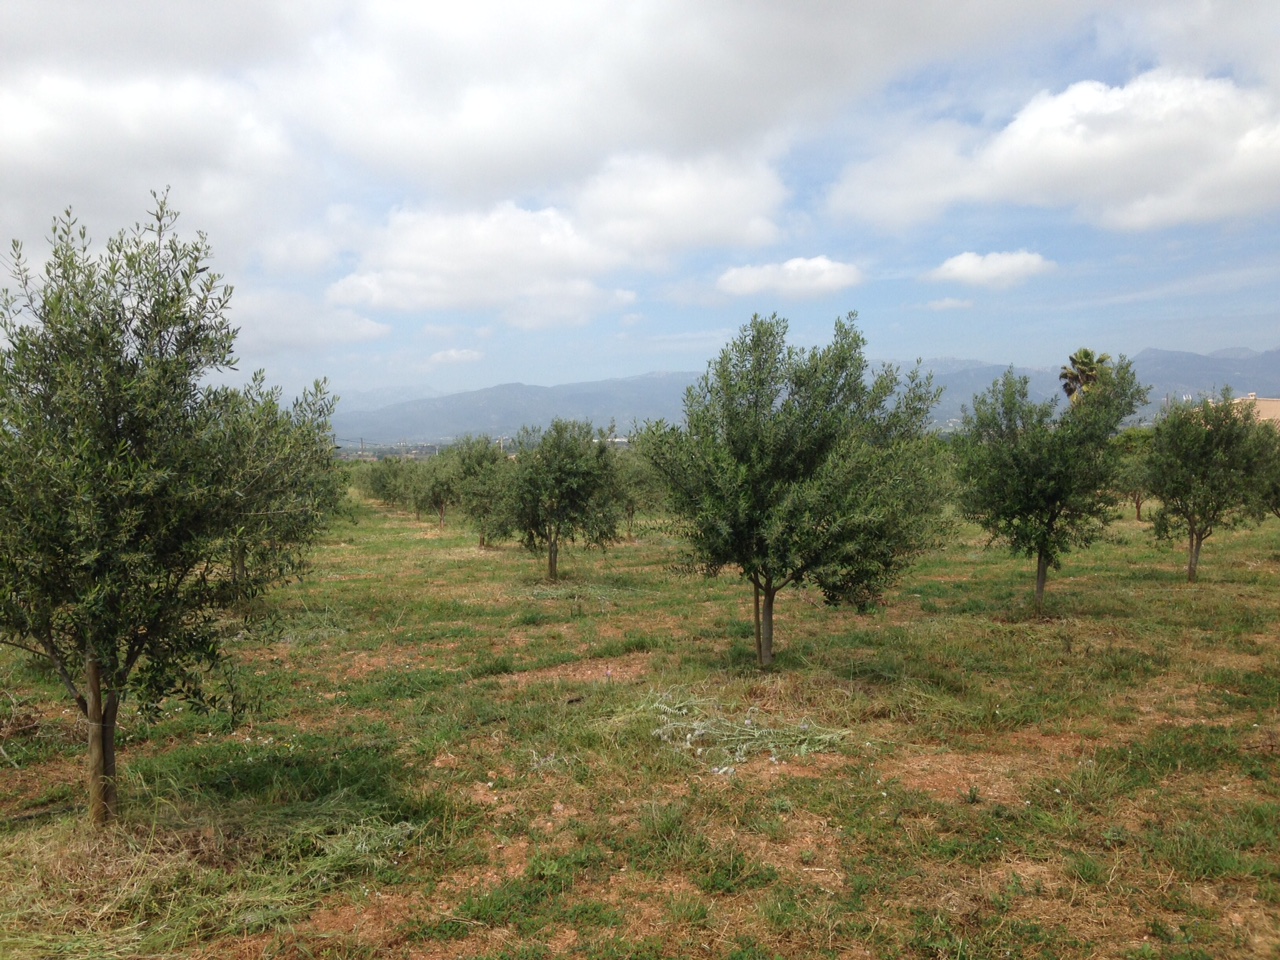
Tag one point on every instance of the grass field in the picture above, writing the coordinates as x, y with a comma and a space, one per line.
435, 753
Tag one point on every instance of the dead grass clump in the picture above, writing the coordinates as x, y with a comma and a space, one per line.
962, 777
630, 668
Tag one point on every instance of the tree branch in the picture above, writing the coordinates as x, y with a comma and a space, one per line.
32, 650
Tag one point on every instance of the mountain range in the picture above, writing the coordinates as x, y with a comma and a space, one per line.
502, 410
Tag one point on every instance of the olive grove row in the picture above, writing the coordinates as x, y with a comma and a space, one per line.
143, 507
798, 466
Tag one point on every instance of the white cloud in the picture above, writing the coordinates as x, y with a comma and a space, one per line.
949, 303
102, 145
1201, 36
456, 355
651, 205
498, 163
1162, 150
546, 304
111, 38
272, 321
534, 265
495, 99
798, 277
995, 270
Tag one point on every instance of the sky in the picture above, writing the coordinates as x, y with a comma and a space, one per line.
433, 197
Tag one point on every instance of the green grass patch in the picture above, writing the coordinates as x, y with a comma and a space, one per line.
424, 735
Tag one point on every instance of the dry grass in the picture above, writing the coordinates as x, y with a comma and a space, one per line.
441, 755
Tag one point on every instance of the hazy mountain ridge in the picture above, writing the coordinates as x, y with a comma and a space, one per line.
1173, 373
503, 409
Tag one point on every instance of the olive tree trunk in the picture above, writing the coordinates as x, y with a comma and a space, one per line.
101, 714
755, 584
766, 624
1042, 574
765, 591
1195, 542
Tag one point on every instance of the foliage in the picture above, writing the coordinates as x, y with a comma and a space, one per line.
1133, 447
563, 488
388, 481
136, 501
435, 483
1081, 372
418, 485
1210, 466
640, 488
371, 480
483, 482
796, 467
1044, 484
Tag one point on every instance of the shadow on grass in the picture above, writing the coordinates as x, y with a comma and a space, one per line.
309, 811
262, 777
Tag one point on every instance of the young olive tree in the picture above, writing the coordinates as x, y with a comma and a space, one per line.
483, 481
387, 481
563, 487
1044, 484
1133, 447
136, 501
640, 487
1209, 466
434, 485
798, 468
277, 459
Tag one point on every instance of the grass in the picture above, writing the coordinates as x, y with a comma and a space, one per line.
431, 751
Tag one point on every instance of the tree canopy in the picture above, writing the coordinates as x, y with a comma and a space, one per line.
1133, 447
1039, 482
1081, 372
483, 481
136, 500
1210, 466
563, 487
640, 489
797, 466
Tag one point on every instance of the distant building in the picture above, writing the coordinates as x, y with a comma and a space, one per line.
1267, 408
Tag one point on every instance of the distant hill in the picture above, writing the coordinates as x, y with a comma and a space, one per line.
504, 409
1175, 374
353, 401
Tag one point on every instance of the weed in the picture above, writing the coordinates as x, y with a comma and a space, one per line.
1086, 869
687, 909
746, 948
732, 873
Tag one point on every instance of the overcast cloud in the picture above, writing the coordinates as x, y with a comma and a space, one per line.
443, 197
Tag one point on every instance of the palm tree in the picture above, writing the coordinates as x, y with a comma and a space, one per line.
1082, 372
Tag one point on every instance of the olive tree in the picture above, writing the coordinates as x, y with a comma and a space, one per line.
563, 487
137, 501
1209, 466
800, 466
1133, 447
640, 488
434, 485
1040, 482
483, 475
387, 481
